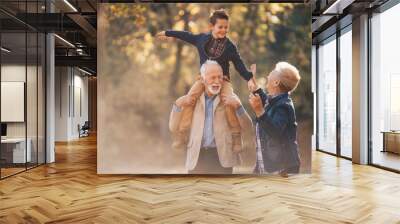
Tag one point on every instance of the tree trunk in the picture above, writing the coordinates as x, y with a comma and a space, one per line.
177, 68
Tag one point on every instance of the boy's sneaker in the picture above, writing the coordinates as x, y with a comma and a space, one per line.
283, 173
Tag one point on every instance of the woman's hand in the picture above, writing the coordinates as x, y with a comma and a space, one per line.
256, 104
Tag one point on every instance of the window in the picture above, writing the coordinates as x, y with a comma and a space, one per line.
346, 93
326, 94
385, 89
22, 88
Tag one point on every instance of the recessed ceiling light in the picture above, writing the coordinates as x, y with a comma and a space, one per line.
84, 71
337, 7
5, 50
64, 40
70, 5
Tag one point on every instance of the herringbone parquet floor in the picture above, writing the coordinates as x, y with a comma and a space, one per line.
70, 191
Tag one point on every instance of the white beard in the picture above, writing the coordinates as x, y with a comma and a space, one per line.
212, 91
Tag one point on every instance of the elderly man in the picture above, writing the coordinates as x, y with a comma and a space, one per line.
210, 144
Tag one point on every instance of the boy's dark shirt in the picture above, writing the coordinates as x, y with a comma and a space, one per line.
215, 47
229, 52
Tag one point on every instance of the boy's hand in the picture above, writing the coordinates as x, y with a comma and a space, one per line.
161, 36
232, 101
256, 104
251, 84
185, 101
253, 69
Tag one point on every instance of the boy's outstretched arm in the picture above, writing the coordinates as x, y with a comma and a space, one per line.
239, 65
182, 35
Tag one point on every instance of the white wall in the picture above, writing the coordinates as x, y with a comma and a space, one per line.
61, 103
71, 92
33, 127
16, 73
12, 73
80, 103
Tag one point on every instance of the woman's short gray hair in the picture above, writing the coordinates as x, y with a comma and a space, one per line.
203, 67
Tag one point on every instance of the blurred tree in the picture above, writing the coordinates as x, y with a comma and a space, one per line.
152, 74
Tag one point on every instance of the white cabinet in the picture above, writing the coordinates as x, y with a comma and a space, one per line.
18, 149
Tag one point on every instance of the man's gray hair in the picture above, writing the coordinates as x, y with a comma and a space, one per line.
203, 67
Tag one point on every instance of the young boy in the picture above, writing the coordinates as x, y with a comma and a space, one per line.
214, 45
276, 128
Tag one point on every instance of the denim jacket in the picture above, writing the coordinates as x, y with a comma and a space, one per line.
278, 133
